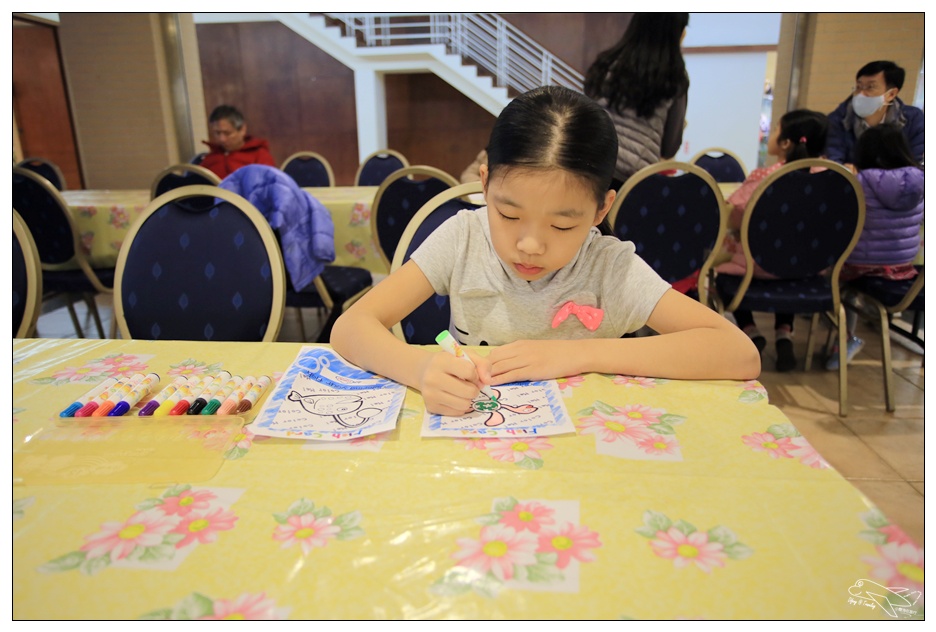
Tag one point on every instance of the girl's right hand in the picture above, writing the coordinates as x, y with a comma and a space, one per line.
448, 384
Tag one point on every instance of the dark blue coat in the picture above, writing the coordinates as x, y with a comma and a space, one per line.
840, 144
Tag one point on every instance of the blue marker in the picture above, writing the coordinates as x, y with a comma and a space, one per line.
88, 397
138, 392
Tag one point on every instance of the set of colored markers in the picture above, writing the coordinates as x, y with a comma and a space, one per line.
221, 394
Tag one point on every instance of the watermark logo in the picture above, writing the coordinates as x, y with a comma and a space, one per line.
897, 603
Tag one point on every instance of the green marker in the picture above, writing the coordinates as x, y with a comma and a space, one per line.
447, 341
219, 397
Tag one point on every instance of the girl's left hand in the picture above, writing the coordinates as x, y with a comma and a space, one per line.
532, 360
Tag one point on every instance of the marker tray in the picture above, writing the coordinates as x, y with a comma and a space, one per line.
128, 449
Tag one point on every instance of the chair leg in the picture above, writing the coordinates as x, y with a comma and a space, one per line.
811, 340
301, 324
886, 362
92, 307
74, 316
843, 363
325, 333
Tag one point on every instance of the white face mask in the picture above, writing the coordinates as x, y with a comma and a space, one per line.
866, 106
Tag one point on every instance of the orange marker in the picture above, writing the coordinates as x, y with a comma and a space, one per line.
117, 395
90, 407
230, 404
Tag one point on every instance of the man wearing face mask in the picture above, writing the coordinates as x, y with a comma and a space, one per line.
873, 101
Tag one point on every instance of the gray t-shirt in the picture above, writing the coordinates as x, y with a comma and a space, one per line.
491, 305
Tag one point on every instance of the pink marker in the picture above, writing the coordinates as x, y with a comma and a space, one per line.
94, 404
230, 404
118, 395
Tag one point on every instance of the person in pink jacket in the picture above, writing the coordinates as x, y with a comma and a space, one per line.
799, 134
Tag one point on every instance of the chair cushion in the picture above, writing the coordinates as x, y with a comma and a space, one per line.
723, 168
74, 281
342, 282
20, 284
796, 296
308, 172
886, 291
46, 220
377, 168
399, 202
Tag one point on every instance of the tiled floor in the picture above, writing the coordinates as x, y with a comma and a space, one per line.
881, 453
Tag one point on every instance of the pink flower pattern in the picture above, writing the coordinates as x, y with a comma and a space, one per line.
204, 527
119, 539
658, 444
802, 450
531, 516
684, 550
515, 450
187, 502
616, 427
628, 381
900, 565
247, 607
765, 442
497, 550
571, 541
310, 532
571, 382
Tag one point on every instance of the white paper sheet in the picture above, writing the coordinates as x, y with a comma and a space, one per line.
323, 397
522, 408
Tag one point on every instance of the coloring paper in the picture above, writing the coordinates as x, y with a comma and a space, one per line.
522, 408
323, 397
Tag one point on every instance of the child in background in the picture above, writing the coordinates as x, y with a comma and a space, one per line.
799, 134
892, 181
532, 275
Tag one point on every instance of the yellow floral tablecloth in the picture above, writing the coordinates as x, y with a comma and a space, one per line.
103, 218
695, 500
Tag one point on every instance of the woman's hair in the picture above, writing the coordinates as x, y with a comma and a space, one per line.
883, 146
806, 130
552, 127
645, 67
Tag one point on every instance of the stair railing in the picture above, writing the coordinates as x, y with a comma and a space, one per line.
513, 59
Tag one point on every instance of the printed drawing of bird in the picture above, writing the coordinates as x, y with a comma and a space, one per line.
494, 406
337, 407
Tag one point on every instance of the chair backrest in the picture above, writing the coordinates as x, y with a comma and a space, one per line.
804, 219
182, 175
190, 271
45, 213
27, 280
309, 169
399, 197
197, 158
45, 168
375, 168
724, 165
422, 325
677, 222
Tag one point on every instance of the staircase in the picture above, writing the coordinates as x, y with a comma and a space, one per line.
501, 60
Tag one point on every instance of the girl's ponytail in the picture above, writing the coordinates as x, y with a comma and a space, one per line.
806, 130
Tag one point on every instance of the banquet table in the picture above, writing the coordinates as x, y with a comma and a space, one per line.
103, 218
672, 500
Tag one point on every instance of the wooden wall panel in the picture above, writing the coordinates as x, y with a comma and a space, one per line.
575, 38
40, 104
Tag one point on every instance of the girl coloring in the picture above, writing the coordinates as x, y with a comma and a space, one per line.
531, 274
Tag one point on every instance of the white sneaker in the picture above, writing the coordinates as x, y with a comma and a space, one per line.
853, 346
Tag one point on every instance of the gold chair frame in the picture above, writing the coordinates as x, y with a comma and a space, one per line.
317, 156
720, 150
33, 296
183, 167
379, 152
277, 268
55, 168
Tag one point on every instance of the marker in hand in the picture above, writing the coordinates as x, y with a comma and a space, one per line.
448, 343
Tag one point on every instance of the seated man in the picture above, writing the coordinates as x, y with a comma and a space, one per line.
874, 101
232, 147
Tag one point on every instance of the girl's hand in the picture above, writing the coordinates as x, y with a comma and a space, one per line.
448, 384
533, 360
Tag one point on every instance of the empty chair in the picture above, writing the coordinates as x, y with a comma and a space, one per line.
675, 221
890, 297
799, 227
66, 270
189, 270
724, 165
45, 168
376, 167
27, 280
398, 199
422, 325
181, 175
309, 169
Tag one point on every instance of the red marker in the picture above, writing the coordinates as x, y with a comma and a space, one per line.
90, 407
118, 394
188, 396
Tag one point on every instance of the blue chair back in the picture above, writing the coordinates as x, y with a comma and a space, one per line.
376, 167
182, 175
46, 214
46, 169
20, 284
422, 325
309, 169
721, 165
193, 271
675, 221
398, 199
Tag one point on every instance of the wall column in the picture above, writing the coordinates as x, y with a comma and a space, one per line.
371, 107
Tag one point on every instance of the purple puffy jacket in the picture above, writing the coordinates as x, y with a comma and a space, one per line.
894, 205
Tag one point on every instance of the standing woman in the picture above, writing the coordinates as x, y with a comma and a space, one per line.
642, 82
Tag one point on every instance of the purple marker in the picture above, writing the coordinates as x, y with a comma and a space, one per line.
161, 396
138, 392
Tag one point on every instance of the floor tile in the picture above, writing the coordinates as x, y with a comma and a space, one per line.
899, 442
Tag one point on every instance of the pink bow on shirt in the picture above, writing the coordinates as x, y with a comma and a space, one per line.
589, 316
